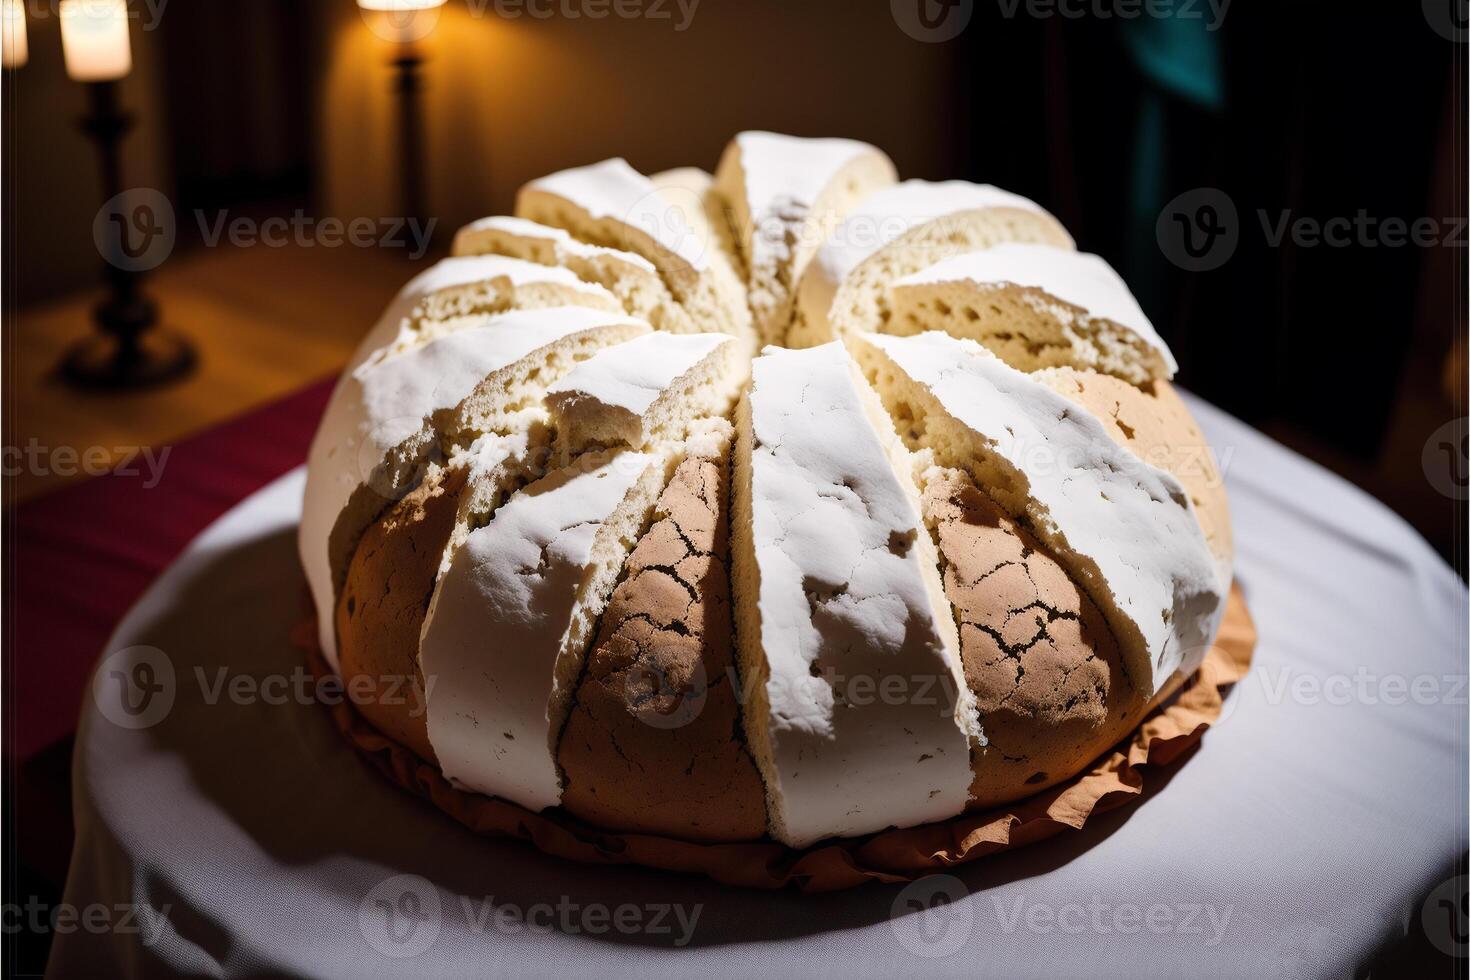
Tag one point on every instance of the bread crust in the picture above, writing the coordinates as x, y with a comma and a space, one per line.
1046, 670
653, 741
384, 599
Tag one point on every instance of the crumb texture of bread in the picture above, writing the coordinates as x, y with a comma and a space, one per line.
511, 617
672, 220
1123, 528
653, 388
653, 743
865, 721
896, 232
1034, 307
628, 276
1046, 670
384, 598
785, 195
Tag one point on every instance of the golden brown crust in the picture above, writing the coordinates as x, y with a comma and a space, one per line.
386, 594
1156, 425
653, 741
1046, 670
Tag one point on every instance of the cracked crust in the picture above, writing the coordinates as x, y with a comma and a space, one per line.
383, 603
1046, 670
653, 742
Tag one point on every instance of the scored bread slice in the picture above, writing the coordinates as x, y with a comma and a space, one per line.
389, 416
612, 205
451, 292
628, 276
1156, 426
1035, 306
1124, 529
897, 231
785, 195
653, 743
856, 709
512, 615
1045, 668
652, 388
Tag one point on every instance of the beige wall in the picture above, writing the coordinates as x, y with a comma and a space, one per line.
508, 100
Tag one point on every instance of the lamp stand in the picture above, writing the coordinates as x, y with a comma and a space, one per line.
128, 352
408, 84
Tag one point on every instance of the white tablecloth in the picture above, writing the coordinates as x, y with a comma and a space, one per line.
244, 837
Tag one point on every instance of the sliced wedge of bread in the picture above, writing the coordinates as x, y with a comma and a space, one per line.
896, 232
1122, 528
451, 293
654, 388
508, 627
628, 276
1034, 307
786, 195
653, 743
855, 708
395, 413
612, 205
1046, 670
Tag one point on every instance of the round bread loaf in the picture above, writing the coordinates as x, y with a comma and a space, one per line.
937, 547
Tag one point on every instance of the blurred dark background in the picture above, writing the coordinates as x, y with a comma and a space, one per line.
1226, 125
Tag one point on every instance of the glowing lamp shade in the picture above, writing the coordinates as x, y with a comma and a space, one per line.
394, 6
401, 21
94, 39
14, 49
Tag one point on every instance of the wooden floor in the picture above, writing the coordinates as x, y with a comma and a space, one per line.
265, 321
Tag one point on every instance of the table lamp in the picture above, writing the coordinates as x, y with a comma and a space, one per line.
128, 352
14, 48
406, 22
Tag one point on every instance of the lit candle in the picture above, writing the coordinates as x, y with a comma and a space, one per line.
94, 39
404, 21
16, 51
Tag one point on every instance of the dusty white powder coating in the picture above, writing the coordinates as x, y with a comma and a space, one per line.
786, 194
509, 622
1122, 527
399, 320
560, 245
842, 613
631, 376
382, 402
613, 191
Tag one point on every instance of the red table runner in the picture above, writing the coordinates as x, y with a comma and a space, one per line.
80, 557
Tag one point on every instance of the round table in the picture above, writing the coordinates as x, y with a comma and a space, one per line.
224, 828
